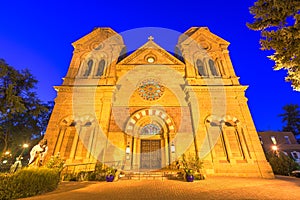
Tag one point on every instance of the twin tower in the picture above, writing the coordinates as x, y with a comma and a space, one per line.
142, 110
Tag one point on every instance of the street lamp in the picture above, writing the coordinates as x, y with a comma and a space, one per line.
5, 157
275, 150
24, 147
18, 164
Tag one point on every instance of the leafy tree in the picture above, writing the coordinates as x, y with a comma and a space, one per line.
22, 114
281, 164
291, 117
279, 23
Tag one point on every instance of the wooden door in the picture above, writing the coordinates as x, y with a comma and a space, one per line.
150, 154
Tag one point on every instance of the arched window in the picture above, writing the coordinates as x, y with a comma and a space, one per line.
150, 129
100, 68
89, 68
212, 68
217, 139
200, 67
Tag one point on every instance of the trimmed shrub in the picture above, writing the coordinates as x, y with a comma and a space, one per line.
28, 182
6, 186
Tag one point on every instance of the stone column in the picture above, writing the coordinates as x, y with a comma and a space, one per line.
74, 145
59, 141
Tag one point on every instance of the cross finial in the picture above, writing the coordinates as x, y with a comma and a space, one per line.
150, 38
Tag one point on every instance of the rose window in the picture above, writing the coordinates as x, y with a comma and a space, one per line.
150, 90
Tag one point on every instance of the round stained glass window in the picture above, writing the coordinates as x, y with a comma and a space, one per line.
150, 129
150, 60
150, 90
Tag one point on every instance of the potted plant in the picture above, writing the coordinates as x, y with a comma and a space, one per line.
110, 174
191, 165
189, 175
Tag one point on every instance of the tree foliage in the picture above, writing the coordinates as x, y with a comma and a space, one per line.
291, 118
22, 114
279, 23
281, 164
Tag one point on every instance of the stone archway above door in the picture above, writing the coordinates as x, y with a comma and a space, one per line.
152, 113
149, 135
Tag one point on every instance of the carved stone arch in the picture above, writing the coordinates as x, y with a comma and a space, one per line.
100, 55
213, 120
67, 121
198, 55
135, 117
230, 120
146, 120
82, 120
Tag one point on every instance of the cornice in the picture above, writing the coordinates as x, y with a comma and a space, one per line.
215, 88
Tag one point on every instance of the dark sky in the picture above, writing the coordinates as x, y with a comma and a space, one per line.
38, 35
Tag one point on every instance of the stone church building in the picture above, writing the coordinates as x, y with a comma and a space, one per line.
142, 110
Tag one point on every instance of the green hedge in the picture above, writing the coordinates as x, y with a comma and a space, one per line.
28, 182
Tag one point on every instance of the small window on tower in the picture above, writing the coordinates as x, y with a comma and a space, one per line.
100, 69
213, 68
89, 68
200, 67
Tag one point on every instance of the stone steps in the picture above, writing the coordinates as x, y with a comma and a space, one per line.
149, 175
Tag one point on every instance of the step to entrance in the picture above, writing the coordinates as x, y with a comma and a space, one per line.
150, 176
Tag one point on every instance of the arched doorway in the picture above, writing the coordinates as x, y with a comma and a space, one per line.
151, 147
149, 136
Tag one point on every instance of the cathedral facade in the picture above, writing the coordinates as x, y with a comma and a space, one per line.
143, 110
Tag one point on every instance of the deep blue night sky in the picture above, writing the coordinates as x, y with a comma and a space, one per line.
38, 35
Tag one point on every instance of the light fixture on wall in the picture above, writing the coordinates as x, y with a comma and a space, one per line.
173, 148
127, 151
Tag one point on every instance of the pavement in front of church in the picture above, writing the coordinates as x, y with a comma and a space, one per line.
212, 188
